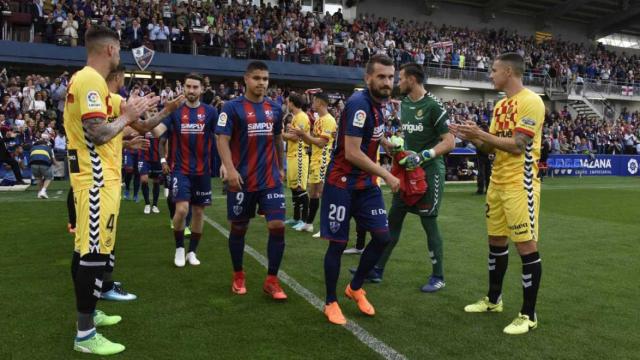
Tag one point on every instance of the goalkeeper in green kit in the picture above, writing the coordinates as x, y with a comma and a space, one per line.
425, 125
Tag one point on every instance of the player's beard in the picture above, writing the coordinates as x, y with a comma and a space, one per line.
192, 98
378, 93
114, 64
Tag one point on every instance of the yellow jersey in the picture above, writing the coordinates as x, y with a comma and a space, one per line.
523, 112
299, 147
324, 127
90, 165
116, 101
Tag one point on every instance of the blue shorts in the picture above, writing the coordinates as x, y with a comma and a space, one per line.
339, 205
196, 189
130, 160
151, 168
241, 206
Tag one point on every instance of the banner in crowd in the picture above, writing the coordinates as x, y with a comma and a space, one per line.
594, 165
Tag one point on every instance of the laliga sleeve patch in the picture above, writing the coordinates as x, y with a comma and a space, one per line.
93, 100
222, 119
528, 121
359, 118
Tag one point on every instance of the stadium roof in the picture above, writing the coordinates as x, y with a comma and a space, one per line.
604, 17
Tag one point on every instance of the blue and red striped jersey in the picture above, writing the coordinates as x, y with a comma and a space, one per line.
252, 127
153, 153
362, 117
190, 132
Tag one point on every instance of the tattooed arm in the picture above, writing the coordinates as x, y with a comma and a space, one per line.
99, 131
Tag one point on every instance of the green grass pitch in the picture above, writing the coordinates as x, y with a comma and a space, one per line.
587, 307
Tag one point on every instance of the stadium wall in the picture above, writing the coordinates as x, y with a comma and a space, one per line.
53, 55
467, 16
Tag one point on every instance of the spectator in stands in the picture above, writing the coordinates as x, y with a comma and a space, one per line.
134, 34
161, 35
70, 29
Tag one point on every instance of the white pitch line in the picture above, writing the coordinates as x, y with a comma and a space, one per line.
363, 335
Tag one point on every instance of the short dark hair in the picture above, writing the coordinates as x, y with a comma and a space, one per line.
415, 70
118, 70
194, 76
322, 96
257, 65
378, 59
97, 33
515, 60
296, 100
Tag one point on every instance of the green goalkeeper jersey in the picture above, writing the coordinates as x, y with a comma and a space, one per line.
423, 122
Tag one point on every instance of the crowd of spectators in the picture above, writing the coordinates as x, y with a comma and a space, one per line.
285, 33
566, 134
31, 109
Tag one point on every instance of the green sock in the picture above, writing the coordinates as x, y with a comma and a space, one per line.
434, 242
396, 217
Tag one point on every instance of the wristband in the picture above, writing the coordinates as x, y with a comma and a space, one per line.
163, 161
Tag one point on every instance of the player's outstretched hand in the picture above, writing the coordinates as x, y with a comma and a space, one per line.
174, 104
234, 180
139, 143
469, 130
136, 106
453, 129
393, 182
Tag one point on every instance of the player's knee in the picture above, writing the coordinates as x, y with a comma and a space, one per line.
498, 240
276, 229
526, 247
380, 238
239, 228
182, 209
276, 225
336, 247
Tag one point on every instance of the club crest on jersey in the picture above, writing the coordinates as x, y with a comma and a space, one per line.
237, 209
268, 114
191, 128
93, 100
334, 226
419, 114
201, 117
359, 118
222, 119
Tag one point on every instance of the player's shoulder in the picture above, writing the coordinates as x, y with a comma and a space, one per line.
328, 118
431, 100
89, 75
274, 104
116, 97
209, 109
358, 98
531, 97
232, 104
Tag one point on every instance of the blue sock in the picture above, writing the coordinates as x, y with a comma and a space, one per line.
332, 269
145, 193
370, 257
179, 236
236, 243
156, 193
275, 249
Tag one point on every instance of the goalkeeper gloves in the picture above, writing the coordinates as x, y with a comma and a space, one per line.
396, 149
411, 162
